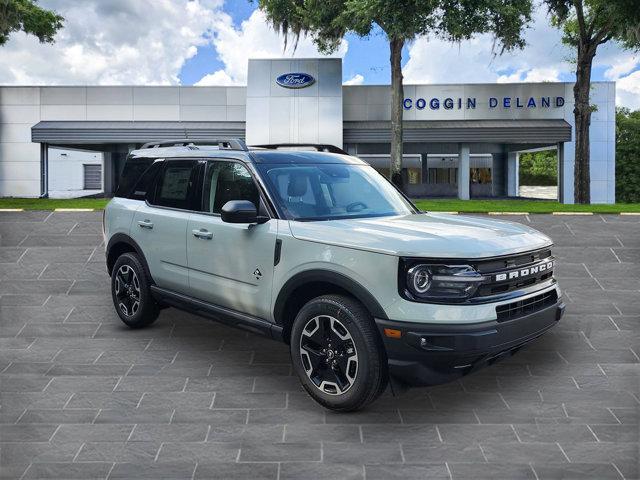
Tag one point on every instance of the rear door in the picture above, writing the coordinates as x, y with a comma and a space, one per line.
231, 265
160, 225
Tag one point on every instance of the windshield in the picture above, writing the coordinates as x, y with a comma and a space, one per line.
333, 191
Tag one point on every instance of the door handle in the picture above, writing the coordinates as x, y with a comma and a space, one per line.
145, 224
202, 233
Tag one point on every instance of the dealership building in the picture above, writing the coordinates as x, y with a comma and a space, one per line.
460, 140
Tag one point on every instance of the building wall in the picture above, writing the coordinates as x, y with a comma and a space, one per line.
373, 103
66, 172
23, 107
19, 158
302, 115
275, 114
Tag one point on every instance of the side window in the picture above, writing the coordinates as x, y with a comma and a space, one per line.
175, 185
145, 184
225, 181
133, 168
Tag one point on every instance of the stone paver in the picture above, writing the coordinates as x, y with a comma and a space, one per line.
82, 396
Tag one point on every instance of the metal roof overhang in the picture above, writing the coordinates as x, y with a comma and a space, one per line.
59, 132
453, 131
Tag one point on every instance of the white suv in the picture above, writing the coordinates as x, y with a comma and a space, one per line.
315, 248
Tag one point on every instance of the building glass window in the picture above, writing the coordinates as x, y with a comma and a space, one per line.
480, 175
414, 176
443, 175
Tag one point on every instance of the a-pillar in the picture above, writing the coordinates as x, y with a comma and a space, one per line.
463, 171
513, 166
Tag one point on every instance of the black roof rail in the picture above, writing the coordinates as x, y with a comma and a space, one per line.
320, 147
222, 143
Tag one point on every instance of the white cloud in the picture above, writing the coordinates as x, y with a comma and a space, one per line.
114, 42
622, 65
217, 78
545, 58
531, 75
357, 79
628, 91
436, 61
255, 38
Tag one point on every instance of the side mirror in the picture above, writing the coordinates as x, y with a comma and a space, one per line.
240, 211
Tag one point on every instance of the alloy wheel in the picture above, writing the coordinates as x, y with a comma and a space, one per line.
329, 355
127, 288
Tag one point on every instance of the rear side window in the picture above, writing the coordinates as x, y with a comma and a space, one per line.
175, 186
133, 170
144, 186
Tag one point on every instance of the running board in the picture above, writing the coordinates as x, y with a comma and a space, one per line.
224, 315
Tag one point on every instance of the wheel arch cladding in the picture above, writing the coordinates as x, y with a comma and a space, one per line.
304, 286
119, 244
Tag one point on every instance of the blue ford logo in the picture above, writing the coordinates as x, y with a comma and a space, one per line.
295, 80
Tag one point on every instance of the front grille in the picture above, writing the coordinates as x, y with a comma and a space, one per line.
501, 265
521, 308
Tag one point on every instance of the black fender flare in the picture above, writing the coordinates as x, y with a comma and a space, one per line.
327, 276
124, 238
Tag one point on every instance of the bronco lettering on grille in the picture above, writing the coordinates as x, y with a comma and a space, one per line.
524, 272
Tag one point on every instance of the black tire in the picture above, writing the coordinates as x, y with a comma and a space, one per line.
129, 275
335, 383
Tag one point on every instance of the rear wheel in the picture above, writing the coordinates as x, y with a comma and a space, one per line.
337, 353
131, 293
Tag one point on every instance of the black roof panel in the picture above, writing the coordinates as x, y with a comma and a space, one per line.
302, 157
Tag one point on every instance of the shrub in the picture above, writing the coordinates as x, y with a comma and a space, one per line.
627, 156
539, 168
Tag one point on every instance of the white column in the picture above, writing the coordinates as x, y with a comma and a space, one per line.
463, 171
513, 167
562, 176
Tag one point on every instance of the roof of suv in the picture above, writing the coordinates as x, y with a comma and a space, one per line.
267, 154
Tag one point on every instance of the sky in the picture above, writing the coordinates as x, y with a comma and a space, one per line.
208, 42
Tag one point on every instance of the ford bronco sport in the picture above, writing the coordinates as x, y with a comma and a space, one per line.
315, 248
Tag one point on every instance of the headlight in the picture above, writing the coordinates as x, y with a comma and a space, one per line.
442, 282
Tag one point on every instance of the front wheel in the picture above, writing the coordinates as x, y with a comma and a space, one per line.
131, 292
337, 354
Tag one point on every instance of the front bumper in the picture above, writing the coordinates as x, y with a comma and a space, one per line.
431, 354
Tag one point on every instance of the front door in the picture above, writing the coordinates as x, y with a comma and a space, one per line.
160, 226
230, 265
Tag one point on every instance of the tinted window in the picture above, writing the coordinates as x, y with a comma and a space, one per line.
225, 181
145, 183
133, 169
175, 185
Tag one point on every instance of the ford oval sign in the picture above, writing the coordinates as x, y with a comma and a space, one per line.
295, 80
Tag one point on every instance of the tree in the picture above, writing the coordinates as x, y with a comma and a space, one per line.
28, 17
539, 168
327, 21
627, 155
587, 24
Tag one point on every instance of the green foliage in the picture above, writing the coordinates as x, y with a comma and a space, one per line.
627, 155
586, 22
539, 168
28, 17
528, 206
327, 21
53, 203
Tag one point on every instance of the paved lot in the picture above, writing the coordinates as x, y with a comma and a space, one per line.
84, 397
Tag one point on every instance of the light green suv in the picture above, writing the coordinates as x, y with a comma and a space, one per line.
313, 247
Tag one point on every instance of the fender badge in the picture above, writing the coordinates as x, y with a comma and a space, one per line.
257, 273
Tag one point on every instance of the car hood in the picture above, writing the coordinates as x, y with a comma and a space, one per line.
425, 235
